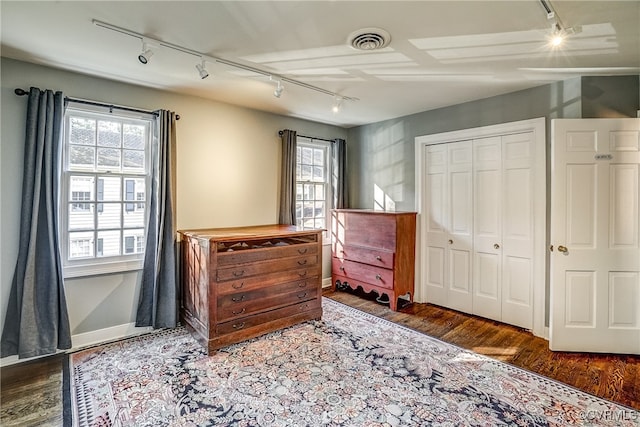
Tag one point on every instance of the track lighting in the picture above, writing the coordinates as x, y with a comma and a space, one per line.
202, 70
148, 44
146, 54
558, 31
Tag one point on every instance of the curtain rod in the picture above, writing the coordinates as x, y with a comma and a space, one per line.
22, 92
310, 137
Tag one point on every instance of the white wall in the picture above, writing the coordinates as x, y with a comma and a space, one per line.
228, 161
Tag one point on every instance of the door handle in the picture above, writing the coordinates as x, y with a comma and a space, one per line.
563, 249
496, 246
450, 242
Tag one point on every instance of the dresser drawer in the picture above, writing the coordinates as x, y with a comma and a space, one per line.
247, 322
245, 270
307, 276
365, 255
231, 256
243, 296
377, 276
251, 304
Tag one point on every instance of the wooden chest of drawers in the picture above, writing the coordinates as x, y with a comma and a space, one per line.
238, 283
375, 251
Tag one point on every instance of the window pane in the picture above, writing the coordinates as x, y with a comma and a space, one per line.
133, 136
109, 134
308, 210
298, 210
81, 245
318, 157
319, 223
81, 187
133, 160
110, 243
111, 191
306, 173
318, 209
81, 157
298, 191
110, 216
308, 191
81, 216
135, 216
318, 173
307, 155
109, 157
320, 192
131, 238
82, 131
308, 223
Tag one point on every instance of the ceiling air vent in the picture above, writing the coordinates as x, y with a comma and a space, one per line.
369, 39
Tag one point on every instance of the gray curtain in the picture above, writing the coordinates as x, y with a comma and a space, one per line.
287, 214
158, 303
37, 322
339, 172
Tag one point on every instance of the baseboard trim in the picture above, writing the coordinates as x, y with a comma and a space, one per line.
326, 282
104, 335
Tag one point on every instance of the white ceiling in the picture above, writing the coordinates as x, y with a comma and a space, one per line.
441, 52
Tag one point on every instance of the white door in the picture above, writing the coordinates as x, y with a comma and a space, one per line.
487, 226
448, 235
595, 233
503, 228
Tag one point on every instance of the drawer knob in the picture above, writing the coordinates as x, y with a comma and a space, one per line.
236, 299
341, 268
304, 307
304, 273
237, 286
235, 313
302, 262
238, 325
300, 296
238, 273
302, 251
302, 284
378, 277
378, 257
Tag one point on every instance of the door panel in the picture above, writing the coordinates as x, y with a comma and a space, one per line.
595, 285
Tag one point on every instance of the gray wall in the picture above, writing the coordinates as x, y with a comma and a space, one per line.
381, 156
228, 163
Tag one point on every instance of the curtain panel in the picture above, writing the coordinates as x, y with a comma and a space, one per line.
37, 322
287, 213
159, 295
339, 174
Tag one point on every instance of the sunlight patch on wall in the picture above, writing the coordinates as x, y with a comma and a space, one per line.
382, 201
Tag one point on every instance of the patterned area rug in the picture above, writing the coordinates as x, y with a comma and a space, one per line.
350, 369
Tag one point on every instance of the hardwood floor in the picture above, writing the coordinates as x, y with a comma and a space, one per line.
612, 377
31, 393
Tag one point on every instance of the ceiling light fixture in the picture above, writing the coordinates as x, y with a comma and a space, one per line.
208, 58
558, 31
146, 53
337, 104
202, 70
278, 91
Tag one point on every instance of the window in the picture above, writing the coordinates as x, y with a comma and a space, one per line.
106, 183
313, 192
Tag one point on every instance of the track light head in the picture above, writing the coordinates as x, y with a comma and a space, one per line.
146, 53
337, 105
278, 90
202, 70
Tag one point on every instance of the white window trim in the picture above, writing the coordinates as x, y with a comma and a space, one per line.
316, 143
103, 265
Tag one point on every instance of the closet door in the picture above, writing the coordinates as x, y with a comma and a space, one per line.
487, 226
518, 174
449, 225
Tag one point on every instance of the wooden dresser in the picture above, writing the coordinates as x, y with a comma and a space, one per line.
375, 251
238, 283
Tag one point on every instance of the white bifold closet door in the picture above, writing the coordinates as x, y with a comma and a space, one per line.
479, 227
